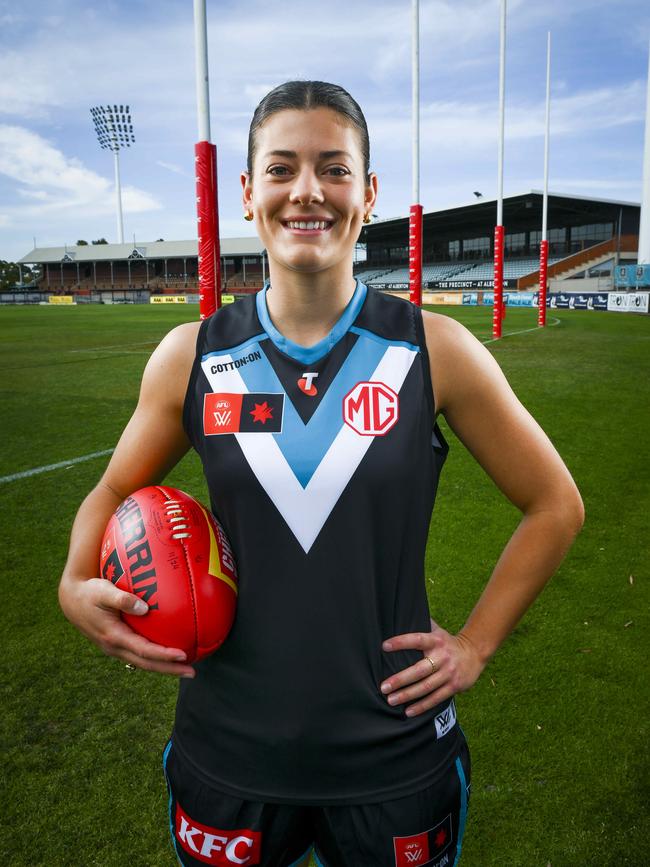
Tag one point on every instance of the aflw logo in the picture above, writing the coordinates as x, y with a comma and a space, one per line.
446, 720
222, 413
371, 408
222, 417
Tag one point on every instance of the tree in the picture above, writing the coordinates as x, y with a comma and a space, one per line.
8, 275
100, 241
82, 243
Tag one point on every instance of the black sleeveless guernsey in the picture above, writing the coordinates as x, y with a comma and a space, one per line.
322, 463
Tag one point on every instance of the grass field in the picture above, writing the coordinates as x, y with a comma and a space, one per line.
558, 725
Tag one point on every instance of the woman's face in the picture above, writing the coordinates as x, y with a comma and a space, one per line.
307, 184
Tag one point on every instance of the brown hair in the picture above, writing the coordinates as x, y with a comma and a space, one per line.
304, 95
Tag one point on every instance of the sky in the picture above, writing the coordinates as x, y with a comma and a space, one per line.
60, 57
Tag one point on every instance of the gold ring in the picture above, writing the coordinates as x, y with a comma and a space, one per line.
130, 667
433, 665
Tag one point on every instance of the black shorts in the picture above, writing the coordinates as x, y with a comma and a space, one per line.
425, 828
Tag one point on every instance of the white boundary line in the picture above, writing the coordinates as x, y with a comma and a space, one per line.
523, 331
46, 469
116, 346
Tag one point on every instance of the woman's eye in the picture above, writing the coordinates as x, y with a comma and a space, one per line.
279, 171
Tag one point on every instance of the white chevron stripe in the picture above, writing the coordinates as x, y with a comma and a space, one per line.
306, 509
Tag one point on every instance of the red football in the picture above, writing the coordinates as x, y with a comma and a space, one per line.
165, 547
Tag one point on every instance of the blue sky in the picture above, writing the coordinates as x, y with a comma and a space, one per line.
58, 58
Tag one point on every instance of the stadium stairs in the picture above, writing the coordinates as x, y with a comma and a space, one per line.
568, 267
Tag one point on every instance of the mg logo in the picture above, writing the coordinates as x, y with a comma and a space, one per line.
371, 408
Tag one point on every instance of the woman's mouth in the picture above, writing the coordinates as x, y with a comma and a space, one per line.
308, 227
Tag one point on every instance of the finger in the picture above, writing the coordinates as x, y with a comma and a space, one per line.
414, 673
124, 638
430, 701
422, 687
409, 640
111, 598
170, 668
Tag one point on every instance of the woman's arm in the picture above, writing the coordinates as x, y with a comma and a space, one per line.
152, 443
481, 408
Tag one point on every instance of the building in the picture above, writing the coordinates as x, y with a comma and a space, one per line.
587, 238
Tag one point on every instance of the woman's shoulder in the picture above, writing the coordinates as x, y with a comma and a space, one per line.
455, 356
170, 363
181, 340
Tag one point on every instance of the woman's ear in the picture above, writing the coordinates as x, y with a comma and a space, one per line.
246, 188
371, 192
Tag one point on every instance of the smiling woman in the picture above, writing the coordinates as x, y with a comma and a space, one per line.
327, 719
309, 199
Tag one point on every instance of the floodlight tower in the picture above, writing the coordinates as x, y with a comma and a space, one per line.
114, 131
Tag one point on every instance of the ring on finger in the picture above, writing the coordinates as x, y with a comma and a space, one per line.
434, 667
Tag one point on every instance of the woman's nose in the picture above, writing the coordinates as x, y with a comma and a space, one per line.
306, 188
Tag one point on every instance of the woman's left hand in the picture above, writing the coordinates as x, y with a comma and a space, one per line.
458, 667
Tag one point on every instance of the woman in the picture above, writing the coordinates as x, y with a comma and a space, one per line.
327, 717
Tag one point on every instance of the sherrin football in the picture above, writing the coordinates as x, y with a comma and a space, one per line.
165, 547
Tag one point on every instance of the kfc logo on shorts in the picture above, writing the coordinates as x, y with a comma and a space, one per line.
371, 408
214, 846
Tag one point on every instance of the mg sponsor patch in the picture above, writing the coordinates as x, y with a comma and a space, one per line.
446, 720
228, 413
224, 848
371, 408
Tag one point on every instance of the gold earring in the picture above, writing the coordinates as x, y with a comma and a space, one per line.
366, 219
248, 215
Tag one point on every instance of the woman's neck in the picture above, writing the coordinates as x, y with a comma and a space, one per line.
305, 307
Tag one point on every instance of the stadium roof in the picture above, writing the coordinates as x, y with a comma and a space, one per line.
472, 203
523, 211
251, 246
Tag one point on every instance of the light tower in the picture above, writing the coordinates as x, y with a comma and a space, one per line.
114, 131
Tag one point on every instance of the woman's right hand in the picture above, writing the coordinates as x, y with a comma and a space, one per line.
94, 606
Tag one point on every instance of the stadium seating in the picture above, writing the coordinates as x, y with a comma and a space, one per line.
456, 271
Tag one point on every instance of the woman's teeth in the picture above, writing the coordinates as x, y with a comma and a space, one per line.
311, 225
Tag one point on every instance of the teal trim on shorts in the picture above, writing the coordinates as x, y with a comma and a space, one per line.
317, 859
298, 860
463, 808
171, 824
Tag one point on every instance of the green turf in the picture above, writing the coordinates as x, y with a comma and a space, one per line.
558, 723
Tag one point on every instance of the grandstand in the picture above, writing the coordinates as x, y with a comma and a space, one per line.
587, 239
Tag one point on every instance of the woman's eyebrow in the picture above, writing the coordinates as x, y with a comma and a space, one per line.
323, 155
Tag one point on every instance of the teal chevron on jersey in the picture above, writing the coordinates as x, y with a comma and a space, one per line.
305, 468
304, 445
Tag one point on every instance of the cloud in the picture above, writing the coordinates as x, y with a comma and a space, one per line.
472, 126
59, 182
